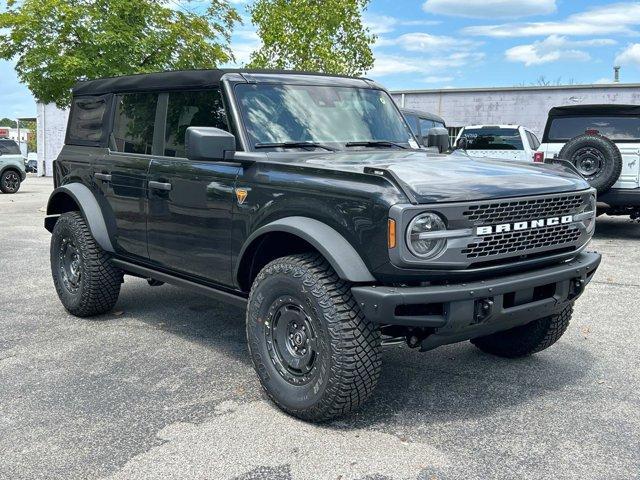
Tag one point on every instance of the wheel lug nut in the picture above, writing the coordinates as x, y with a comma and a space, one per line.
295, 348
291, 335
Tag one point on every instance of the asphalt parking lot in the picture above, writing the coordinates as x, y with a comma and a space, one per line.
163, 387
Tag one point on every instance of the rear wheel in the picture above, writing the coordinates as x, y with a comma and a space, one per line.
315, 353
86, 281
10, 181
526, 339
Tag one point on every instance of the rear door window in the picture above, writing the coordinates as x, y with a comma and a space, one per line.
191, 109
134, 122
618, 128
493, 138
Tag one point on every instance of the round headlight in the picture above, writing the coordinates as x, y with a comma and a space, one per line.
419, 235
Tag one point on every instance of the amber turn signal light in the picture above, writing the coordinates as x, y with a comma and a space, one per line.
392, 233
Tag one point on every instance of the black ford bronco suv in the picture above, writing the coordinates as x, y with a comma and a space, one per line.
305, 199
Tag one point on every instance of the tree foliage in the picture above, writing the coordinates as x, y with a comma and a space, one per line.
7, 122
57, 42
312, 35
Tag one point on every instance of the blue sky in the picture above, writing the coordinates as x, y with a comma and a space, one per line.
466, 43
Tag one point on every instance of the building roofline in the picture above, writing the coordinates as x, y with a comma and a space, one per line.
520, 89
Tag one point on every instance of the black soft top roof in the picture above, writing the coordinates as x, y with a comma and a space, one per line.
594, 110
180, 80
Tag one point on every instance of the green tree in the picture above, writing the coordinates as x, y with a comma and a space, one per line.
58, 42
7, 122
326, 36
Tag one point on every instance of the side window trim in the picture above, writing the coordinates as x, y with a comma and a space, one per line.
160, 125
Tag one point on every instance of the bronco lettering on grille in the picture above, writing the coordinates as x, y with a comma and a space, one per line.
520, 226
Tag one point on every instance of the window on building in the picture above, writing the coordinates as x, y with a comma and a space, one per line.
134, 121
191, 109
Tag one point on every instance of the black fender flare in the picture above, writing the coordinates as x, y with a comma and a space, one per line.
344, 259
89, 207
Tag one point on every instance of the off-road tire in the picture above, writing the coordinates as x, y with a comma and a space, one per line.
10, 181
348, 362
526, 339
602, 147
99, 281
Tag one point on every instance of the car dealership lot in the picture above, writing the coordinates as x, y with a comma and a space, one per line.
163, 387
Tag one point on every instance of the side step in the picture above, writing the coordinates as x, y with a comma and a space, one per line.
212, 292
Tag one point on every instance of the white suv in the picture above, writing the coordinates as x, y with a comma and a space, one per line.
12, 170
510, 142
603, 143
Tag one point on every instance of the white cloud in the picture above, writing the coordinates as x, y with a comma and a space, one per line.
394, 64
490, 8
422, 42
629, 56
617, 18
553, 49
381, 24
603, 81
436, 79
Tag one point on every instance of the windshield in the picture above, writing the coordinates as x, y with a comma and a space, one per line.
615, 128
330, 116
9, 147
493, 139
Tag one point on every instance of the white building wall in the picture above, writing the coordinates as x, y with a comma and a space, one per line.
52, 126
527, 106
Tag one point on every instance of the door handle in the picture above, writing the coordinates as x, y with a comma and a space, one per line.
159, 185
103, 176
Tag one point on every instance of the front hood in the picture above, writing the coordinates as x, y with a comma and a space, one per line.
430, 178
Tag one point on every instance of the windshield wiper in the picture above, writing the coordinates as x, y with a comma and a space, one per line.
375, 143
294, 145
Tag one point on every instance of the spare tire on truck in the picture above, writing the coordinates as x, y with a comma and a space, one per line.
597, 159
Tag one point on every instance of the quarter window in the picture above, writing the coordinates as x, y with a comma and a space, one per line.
86, 120
191, 109
134, 121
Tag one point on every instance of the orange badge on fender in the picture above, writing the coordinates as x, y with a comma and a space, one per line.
241, 195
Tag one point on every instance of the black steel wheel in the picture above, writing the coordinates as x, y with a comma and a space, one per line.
291, 340
316, 355
10, 181
85, 280
597, 159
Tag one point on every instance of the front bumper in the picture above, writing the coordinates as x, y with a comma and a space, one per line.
468, 310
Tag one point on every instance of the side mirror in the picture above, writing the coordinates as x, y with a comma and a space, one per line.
462, 143
438, 137
208, 143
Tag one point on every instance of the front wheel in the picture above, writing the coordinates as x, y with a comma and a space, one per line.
10, 181
315, 353
526, 339
86, 281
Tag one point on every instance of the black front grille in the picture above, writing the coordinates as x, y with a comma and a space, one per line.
522, 242
521, 210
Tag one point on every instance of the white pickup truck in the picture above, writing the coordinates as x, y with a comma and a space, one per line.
511, 142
